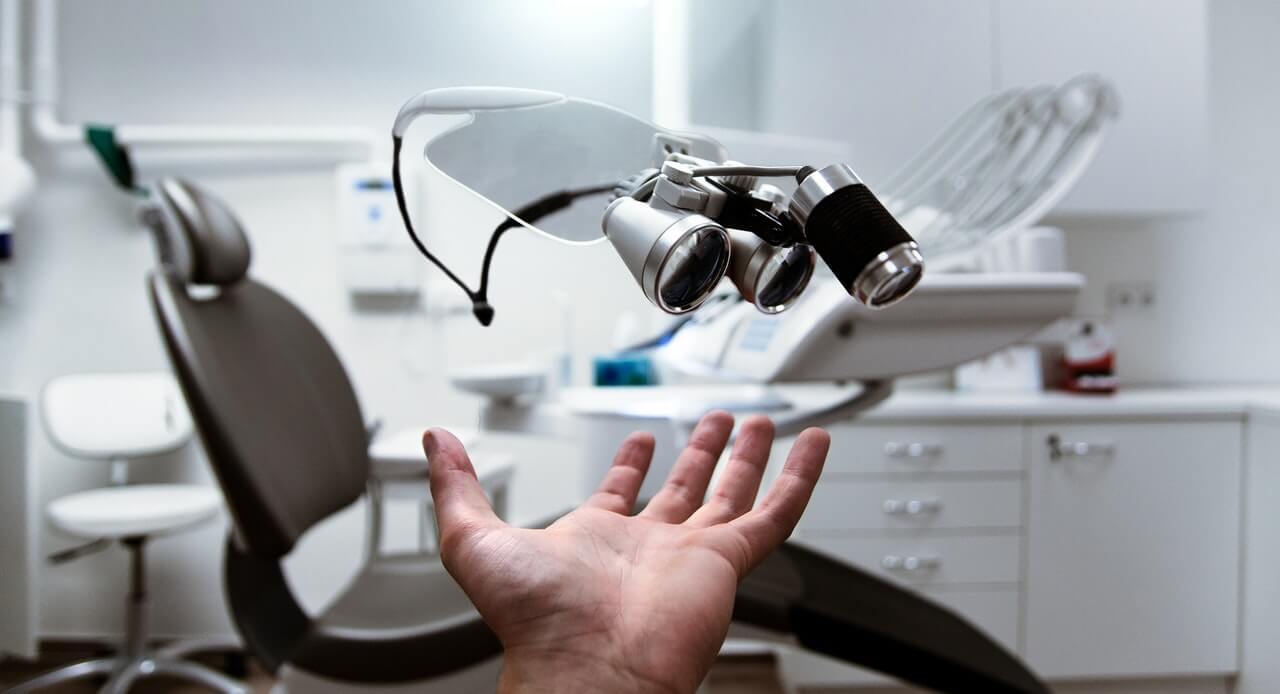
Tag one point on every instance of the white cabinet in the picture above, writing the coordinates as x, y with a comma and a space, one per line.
916, 504
887, 77
1133, 548
934, 506
1156, 53
924, 448
1094, 549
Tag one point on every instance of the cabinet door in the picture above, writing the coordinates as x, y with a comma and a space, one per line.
1259, 667
1133, 548
1156, 53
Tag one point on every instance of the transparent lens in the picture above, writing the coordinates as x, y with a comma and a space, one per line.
784, 277
693, 268
896, 287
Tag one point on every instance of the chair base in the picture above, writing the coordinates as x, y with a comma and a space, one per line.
122, 673
136, 661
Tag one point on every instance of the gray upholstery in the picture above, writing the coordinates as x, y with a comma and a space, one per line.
273, 406
397, 594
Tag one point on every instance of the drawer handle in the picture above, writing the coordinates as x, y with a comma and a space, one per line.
1059, 449
911, 507
914, 451
910, 563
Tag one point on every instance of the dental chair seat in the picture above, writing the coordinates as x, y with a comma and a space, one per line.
132, 511
396, 597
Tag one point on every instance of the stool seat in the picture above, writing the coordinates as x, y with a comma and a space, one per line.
134, 510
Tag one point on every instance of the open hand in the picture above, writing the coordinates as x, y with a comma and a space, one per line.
603, 600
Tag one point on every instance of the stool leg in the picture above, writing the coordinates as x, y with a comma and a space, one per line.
125, 677
75, 671
135, 614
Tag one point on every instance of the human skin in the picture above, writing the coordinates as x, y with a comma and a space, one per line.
604, 600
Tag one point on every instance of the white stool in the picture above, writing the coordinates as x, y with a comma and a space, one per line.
399, 471
114, 418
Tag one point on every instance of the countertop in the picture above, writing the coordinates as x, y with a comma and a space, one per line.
914, 403
1198, 402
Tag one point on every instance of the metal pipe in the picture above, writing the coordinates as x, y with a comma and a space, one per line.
10, 74
671, 62
135, 631
44, 78
45, 123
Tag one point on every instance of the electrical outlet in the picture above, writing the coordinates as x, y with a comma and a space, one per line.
1131, 297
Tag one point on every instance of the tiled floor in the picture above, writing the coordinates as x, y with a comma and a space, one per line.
754, 675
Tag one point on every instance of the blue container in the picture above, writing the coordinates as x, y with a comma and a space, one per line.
624, 370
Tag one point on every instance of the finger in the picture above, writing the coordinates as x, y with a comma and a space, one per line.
736, 490
617, 492
461, 506
685, 487
771, 523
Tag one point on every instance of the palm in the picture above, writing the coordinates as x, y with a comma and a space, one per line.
650, 594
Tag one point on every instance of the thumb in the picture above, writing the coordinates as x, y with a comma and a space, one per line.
461, 505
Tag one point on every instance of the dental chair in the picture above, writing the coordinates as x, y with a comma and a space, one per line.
286, 440
284, 435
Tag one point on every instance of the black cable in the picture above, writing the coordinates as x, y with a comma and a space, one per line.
530, 213
396, 143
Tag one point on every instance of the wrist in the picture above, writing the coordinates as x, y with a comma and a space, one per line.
544, 672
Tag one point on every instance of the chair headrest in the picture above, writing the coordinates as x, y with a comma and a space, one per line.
199, 235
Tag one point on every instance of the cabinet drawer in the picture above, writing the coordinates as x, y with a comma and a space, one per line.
927, 560
848, 504
994, 611
925, 448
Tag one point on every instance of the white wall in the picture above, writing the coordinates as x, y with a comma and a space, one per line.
883, 76
1216, 273
82, 262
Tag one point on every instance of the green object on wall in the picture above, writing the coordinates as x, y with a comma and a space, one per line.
113, 155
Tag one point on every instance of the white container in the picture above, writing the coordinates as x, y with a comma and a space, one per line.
1040, 249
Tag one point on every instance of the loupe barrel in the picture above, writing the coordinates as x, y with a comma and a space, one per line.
874, 258
678, 259
771, 277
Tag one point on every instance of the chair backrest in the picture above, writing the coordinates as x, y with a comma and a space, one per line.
115, 416
275, 411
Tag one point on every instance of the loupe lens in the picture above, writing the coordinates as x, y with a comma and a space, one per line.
677, 258
783, 278
898, 281
771, 277
692, 268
